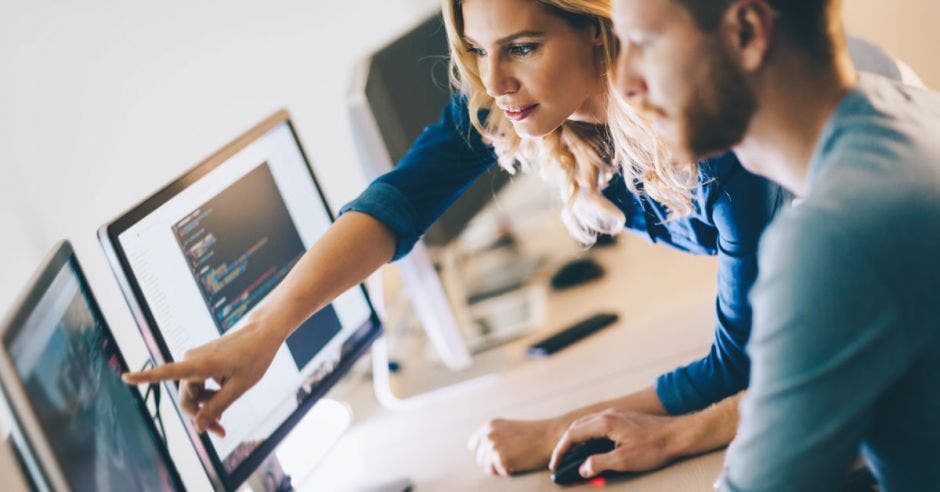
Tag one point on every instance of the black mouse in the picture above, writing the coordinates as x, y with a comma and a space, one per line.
567, 470
576, 272
604, 240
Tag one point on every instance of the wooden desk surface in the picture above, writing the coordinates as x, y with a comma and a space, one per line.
666, 301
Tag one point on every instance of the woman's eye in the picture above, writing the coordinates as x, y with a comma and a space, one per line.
522, 49
473, 50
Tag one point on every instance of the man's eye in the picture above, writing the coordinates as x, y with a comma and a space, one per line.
522, 49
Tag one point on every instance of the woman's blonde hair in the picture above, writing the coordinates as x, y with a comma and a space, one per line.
582, 157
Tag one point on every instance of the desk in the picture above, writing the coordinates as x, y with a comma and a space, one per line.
666, 301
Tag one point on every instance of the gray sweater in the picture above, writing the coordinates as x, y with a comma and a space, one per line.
845, 347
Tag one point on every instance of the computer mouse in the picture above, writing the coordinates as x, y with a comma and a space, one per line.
604, 240
568, 465
576, 272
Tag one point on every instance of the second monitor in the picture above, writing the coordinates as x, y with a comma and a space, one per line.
198, 256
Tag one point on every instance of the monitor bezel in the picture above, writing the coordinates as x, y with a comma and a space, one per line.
31, 440
109, 235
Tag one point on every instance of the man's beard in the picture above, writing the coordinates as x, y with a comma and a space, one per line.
718, 109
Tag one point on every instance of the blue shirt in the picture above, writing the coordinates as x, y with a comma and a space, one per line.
732, 209
449, 156
846, 344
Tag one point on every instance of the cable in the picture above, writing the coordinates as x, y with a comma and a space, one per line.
154, 389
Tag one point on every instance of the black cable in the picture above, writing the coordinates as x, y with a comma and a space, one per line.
154, 389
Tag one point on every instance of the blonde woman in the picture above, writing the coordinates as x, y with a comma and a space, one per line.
534, 89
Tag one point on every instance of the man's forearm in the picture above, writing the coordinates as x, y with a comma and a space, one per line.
708, 429
690, 434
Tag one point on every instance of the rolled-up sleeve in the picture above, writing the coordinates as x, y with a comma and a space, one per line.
441, 164
739, 205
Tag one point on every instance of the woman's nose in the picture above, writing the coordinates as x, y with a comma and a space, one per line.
497, 79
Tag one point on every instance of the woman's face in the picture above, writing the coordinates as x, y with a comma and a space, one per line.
539, 68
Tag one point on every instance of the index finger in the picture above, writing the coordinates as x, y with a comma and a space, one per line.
174, 371
580, 431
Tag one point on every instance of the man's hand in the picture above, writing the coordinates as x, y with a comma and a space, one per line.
235, 362
643, 442
504, 447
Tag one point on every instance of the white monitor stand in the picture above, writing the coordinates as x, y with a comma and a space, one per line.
417, 269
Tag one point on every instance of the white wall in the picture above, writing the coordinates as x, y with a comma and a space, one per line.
21, 250
907, 28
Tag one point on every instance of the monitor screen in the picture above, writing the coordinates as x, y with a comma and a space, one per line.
199, 255
62, 376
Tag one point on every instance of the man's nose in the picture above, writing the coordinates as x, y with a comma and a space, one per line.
628, 81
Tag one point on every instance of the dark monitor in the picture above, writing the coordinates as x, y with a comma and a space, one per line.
76, 425
197, 257
405, 88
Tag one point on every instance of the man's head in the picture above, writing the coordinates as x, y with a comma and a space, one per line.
697, 66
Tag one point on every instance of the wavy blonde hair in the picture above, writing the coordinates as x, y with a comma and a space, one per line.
582, 158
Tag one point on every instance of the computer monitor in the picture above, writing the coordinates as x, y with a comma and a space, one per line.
195, 258
76, 425
396, 92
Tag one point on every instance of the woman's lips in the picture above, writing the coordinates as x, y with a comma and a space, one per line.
519, 113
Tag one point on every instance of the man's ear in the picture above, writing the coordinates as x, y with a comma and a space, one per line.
748, 27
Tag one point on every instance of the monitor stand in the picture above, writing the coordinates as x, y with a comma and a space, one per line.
404, 376
303, 449
382, 384
270, 477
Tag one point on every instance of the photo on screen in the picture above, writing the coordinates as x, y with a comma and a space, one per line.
73, 404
